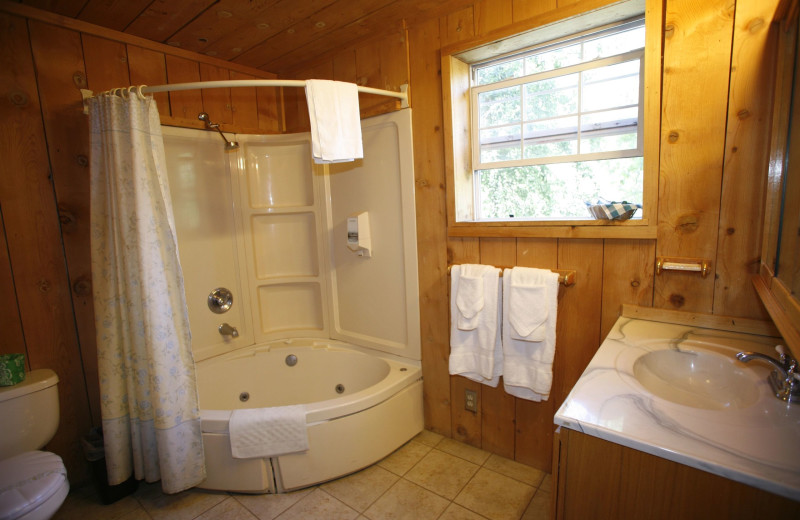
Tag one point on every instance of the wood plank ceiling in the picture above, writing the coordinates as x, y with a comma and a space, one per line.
272, 35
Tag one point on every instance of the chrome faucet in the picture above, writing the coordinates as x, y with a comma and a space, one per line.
785, 380
227, 330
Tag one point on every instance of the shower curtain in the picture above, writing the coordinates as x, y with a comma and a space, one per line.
150, 413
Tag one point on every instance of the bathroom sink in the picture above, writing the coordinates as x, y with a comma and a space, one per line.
697, 378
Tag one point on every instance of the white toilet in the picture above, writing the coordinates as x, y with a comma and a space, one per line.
33, 484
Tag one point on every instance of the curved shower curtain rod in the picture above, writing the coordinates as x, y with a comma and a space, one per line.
144, 89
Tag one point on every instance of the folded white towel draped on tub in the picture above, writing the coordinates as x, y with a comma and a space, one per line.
530, 304
268, 432
475, 348
335, 121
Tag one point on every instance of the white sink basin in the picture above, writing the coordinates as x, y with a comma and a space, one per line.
697, 378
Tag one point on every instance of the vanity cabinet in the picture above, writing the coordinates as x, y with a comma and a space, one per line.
595, 478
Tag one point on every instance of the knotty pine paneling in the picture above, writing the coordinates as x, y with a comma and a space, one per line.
497, 407
45, 268
60, 70
610, 272
534, 421
746, 149
379, 63
692, 143
184, 104
148, 67
424, 44
34, 241
216, 101
489, 15
14, 341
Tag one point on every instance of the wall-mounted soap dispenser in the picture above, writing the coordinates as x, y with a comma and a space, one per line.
358, 236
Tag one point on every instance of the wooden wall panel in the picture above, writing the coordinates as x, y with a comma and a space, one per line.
10, 322
45, 265
746, 158
34, 240
609, 272
106, 63
216, 101
534, 421
497, 407
270, 114
368, 72
148, 67
524, 9
466, 425
243, 102
692, 140
458, 26
489, 15
578, 330
59, 60
628, 270
424, 45
184, 104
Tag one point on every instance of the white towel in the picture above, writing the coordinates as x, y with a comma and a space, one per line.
469, 299
477, 353
335, 121
528, 306
528, 363
268, 432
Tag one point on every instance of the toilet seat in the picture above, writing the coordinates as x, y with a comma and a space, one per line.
33, 485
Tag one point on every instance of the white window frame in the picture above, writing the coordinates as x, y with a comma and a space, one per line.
556, 26
578, 68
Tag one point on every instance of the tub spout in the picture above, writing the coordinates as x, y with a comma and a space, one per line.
227, 330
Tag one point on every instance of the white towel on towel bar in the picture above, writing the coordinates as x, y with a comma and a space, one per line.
475, 353
528, 363
268, 432
335, 121
528, 305
469, 297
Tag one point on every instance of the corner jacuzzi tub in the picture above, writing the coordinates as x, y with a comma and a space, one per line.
360, 407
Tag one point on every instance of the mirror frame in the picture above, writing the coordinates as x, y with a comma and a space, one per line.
782, 306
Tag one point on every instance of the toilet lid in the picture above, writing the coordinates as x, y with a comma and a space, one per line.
27, 480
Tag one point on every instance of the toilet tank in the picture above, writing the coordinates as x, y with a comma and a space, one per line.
29, 413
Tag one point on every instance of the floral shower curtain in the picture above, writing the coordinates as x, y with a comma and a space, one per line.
150, 413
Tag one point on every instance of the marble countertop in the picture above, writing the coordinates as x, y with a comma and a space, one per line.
757, 443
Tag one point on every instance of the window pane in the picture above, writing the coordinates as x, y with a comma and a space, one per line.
500, 144
607, 143
614, 44
499, 72
555, 59
557, 191
609, 87
499, 107
551, 97
610, 130
551, 137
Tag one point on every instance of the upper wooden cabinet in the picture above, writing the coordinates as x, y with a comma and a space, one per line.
778, 283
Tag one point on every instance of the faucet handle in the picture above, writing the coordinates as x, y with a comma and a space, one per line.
227, 330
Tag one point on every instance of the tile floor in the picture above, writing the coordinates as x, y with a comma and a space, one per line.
430, 477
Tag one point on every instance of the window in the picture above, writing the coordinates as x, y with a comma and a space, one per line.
540, 122
559, 125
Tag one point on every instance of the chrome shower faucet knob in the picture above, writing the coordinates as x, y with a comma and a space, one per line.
227, 330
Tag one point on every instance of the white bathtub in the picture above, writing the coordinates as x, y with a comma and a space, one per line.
361, 407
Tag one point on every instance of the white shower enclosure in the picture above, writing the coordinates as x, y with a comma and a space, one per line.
270, 226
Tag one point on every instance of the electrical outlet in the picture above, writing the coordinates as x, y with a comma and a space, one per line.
470, 400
